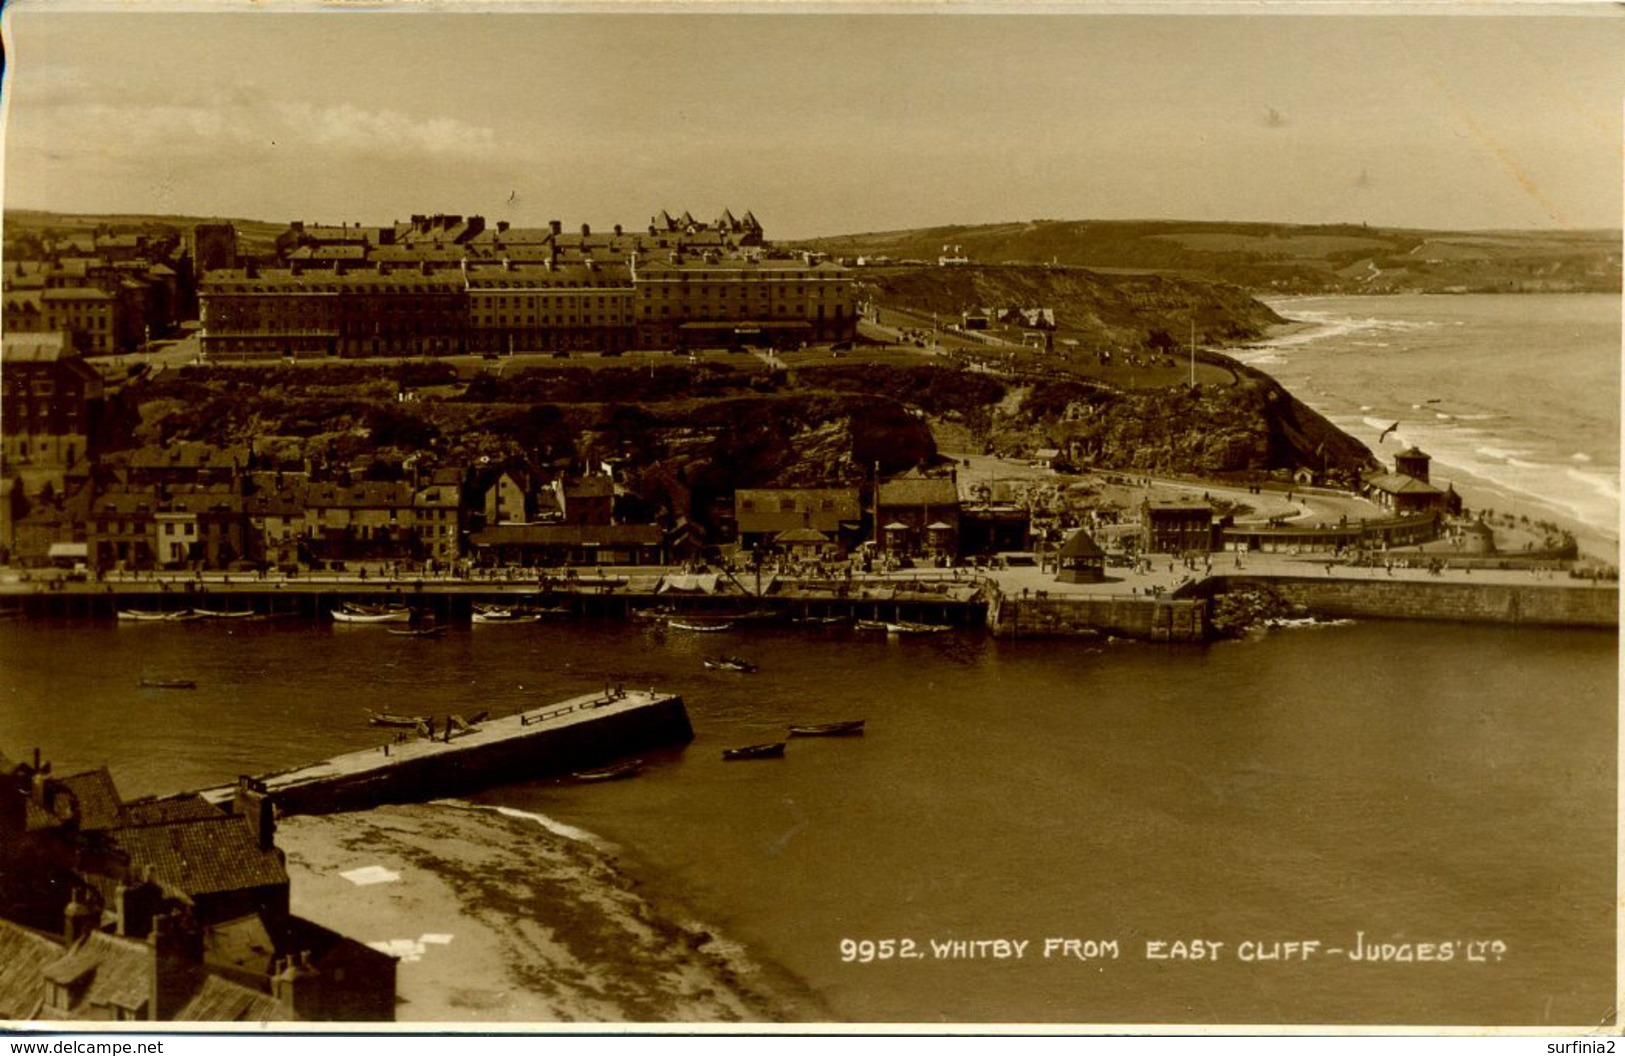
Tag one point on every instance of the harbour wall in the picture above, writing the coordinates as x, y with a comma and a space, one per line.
1073, 615
542, 752
1531, 604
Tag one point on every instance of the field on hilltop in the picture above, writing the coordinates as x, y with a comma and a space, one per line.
1284, 258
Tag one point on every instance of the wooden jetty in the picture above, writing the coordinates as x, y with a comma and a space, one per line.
557, 738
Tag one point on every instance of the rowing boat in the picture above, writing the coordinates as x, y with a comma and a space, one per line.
754, 751
828, 729
630, 768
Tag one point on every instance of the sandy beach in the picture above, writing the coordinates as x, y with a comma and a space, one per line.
497, 919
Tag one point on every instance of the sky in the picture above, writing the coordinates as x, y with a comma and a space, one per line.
820, 122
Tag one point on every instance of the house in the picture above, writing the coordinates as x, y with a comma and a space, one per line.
371, 519
919, 515
586, 500
437, 514
53, 401
1176, 527
763, 514
506, 499
162, 910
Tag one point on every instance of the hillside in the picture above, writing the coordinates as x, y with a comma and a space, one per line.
1094, 310
1286, 258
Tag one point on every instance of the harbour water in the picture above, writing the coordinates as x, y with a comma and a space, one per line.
1516, 397
1414, 783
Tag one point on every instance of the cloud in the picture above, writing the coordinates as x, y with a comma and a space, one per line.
241, 118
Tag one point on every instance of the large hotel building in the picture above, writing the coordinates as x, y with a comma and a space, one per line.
449, 285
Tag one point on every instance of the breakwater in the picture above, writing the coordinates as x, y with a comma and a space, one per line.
556, 738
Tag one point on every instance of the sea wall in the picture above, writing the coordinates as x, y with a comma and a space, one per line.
1074, 615
1549, 604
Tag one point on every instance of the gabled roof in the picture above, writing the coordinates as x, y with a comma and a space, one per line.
24, 956
162, 811
105, 971
99, 804
220, 1000
202, 856
801, 535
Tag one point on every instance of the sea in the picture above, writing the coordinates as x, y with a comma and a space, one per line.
1356, 823
1516, 397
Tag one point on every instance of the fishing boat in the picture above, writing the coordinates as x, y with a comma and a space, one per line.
754, 751
348, 614
629, 768
703, 626
384, 718
828, 729
730, 663
168, 683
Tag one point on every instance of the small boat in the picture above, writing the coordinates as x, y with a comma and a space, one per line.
871, 625
384, 718
629, 768
704, 626
154, 616
828, 729
754, 751
730, 663
906, 627
350, 615
505, 616
417, 632
216, 614
818, 621
168, 683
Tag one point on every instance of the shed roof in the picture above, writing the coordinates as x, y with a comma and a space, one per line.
24, 955
114, 971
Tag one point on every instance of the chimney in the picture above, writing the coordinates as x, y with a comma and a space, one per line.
251, 801
297, 987
136, 905
78, 919
177, 957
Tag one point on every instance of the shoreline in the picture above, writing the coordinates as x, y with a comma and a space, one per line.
500, 918
1595, 542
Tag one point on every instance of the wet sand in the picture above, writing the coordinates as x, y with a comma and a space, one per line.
497, 919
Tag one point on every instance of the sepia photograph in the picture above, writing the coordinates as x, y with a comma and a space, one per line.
793, 518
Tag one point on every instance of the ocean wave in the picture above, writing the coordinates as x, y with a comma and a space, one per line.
556, 827
1501, 454
1605, 486
1580, 456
